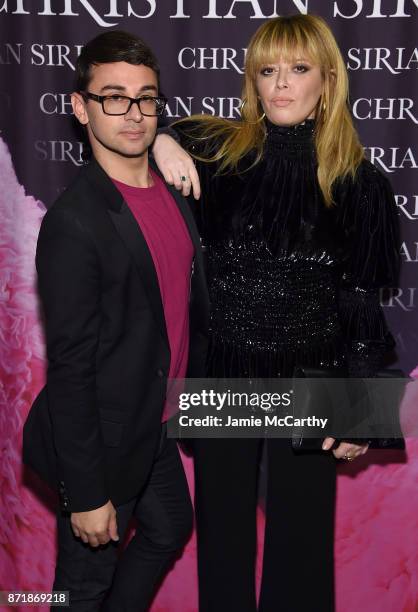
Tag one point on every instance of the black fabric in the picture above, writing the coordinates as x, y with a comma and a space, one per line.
298, 542
93, 430
126, 581
290, 280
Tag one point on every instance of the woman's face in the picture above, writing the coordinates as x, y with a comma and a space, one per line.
289, 92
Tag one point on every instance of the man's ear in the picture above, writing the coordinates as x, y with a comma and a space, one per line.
79, 107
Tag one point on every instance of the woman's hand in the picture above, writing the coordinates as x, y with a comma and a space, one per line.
345, 450
176, 165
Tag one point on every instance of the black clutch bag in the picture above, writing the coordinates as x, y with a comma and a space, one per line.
348, 405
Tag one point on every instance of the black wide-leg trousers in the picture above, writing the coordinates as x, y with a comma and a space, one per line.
102, 578
298, 563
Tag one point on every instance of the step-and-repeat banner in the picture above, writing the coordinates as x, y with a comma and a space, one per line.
201, 47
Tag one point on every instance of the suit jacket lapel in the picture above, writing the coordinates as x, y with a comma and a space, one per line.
133, 238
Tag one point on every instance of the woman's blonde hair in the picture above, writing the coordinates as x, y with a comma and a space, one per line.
338, 148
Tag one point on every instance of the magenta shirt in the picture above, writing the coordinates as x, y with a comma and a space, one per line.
172, 252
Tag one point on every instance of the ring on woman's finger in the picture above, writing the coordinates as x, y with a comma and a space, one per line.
183, 178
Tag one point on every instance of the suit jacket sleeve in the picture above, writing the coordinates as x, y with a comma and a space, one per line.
69, 287
371, 225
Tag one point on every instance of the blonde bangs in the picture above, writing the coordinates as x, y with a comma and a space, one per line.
288, 41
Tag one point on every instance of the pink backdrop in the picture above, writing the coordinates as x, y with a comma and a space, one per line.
377, 515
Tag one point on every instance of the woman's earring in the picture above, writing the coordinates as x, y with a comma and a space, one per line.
244, 102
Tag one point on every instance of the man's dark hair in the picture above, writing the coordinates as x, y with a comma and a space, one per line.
114, 46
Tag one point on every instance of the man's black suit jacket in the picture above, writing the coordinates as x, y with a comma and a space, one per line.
94, 429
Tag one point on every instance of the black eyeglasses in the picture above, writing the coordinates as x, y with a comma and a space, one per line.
149, 106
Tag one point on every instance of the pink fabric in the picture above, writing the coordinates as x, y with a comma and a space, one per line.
377, 502
172, 252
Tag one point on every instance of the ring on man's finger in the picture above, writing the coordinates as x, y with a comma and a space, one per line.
348, 457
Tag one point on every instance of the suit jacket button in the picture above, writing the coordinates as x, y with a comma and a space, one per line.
160, 373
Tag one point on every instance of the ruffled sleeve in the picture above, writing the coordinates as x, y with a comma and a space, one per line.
371, 228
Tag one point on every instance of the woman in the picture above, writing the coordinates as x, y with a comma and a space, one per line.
300, 233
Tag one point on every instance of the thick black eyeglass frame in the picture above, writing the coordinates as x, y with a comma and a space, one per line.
101, 99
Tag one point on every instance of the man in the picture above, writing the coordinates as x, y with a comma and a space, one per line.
121, 283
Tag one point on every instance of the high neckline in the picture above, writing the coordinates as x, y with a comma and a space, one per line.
295, 138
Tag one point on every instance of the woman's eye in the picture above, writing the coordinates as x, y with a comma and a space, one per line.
116, 98
301, 68
266, 71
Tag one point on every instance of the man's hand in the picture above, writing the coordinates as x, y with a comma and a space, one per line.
345, 450
176, 165
96, 527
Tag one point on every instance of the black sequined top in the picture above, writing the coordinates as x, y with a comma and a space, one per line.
290, 280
